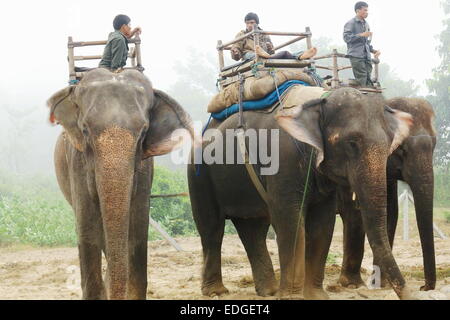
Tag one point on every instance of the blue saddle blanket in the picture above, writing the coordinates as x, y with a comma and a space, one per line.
265, 102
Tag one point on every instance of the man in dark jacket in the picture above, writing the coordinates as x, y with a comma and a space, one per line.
116, 50
358, 37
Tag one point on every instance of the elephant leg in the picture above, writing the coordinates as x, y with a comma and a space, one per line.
319, 223
211, 226
90, 255
392, 219
253, 233
423, 201
354, 237
290, 231
138, 238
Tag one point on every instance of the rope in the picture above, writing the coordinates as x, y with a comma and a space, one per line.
272, 74
300, 217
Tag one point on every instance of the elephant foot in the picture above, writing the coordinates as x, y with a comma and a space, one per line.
351, 281
215, 289
385, 284
428, 287
315, 294
405, 293
267, 290
291, 293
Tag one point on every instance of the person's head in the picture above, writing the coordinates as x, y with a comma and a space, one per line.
362, 9
122, 23
251, 19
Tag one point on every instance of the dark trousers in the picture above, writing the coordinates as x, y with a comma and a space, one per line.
362, 70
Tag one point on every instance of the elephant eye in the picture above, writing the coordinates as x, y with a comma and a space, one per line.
352, 148
85, 132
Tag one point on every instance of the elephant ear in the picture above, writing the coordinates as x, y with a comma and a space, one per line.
399, 123
302, 123
65, 112
169, 126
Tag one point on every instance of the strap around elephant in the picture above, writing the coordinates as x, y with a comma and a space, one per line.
250, 169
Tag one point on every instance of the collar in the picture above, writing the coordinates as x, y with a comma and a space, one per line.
359, 19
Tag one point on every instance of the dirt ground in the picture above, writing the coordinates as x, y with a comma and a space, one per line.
53, 273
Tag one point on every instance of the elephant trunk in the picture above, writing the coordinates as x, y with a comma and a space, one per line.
369, 183
115, 149
422, 187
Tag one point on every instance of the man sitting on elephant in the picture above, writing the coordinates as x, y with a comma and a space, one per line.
116, 51
245, 49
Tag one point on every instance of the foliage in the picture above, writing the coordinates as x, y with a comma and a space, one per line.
439, 87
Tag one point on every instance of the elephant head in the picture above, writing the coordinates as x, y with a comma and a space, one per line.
115, 121
354, 134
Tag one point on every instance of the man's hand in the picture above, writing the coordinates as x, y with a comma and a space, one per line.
235, 53
137, 31
366, 34
376, 54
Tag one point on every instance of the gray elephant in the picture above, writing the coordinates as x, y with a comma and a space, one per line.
352, 135
114, 123
412, 163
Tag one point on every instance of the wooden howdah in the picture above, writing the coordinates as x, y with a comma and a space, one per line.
260, 66
75, 75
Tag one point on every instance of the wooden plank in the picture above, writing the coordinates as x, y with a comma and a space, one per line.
183, 194
220, 52
277, 33
289, 42
344, 68
72, 75
335, 79
137, 50
293, 63
248, 34
100, 42
164, 234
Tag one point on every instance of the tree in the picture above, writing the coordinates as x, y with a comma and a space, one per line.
439, 87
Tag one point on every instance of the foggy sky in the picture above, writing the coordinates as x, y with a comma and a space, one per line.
34, 48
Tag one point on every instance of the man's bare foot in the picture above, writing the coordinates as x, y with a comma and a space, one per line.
260, 52
308, 53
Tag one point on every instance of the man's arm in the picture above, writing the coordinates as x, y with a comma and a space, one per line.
237, 48
349, 36
118, 49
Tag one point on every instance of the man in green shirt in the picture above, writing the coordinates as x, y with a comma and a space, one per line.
116, 51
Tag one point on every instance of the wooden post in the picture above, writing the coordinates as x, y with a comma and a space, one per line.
335, 80
165, 235
72, 75
376, 72
220, 51
256, 42
309, 45
405, 210
137, 49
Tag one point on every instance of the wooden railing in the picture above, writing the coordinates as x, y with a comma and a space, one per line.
135, 55
299, 36
335, 68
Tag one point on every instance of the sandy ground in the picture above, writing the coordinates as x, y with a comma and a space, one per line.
53, 273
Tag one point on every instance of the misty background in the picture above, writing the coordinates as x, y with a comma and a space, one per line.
178, 53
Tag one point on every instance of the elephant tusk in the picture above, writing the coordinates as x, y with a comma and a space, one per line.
354, 196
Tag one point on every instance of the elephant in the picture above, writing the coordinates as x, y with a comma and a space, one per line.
346, 137
412, 163
114, 124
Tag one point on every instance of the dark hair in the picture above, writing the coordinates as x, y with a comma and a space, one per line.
361, 4
120, 20
251, 16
